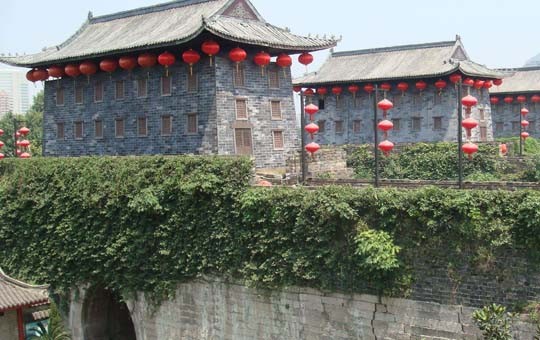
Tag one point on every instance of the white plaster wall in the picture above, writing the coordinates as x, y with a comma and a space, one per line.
8, 326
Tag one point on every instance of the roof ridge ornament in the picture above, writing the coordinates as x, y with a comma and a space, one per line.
90, 15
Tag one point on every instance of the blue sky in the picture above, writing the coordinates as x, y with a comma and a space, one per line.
495, 32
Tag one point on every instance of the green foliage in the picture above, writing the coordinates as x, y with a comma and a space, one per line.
147, 223
55, 329
494, 322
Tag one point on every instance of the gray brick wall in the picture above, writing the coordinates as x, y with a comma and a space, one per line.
506, 118
425, 107
214, 103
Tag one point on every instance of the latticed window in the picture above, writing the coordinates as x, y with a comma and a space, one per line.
273, 78
397, 124
60, 96
79, 95
98, 129
166, 125
416, 124
142, 126
166, 85
321, 103
119, 90
339, 126
483, 133
275, 106
532, 126
238, 75
437, 123
499, 126
322, 125
241, 109
142, 89
78, 130
98, 92
119, 127
357, 126
515, 126
482, 114
60, 131
278, 140
192, 83
192, 123
242, 138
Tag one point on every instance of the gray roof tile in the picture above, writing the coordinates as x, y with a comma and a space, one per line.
14, 293
519, 80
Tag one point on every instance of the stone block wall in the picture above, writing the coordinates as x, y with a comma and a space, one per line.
507, 117
429, 106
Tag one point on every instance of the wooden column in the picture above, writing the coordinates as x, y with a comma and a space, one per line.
20, 324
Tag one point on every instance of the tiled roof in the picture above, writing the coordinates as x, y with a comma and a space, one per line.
398, 62
41, 315
166, 25
14, 293
519, 80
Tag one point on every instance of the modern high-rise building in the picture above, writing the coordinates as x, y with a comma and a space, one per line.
13, 82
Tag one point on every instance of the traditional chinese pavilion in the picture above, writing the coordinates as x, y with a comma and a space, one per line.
419, 80
189, 76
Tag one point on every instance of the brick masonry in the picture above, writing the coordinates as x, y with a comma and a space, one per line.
212, 309
427, 107
213, 102
507, 117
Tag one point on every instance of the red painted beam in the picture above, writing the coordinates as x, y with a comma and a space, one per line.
20, 324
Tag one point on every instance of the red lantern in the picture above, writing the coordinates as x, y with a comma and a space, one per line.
88, 68
494, 100
521, 99
41, 74
440, 85
337, 90
508, 99
262, 59
385, 105
108, 65
386, 87
191, 57
470, 149
322, 91
56, 71
478, 84
498, 82
210, 48
24, 131
284, 61
525, 135
237, 55
354, 89
524, 112
30, 76
488, 84
127, 63
469, 101
24, 155
25, 143
312, 129
309, 92
166, 59
297, 89
468, 82
311, 109
386, 146
421, 85
403, 87
147, 60
1, 144
385, 125
1, 132
369, 88
305, 58
535, 99
2, 156
312, 148
455, 78
524, 123
469, 123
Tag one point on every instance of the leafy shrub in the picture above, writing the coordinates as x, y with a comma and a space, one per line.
494, 322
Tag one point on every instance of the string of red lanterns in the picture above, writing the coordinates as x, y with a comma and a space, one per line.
468, 124
385, 126
22, 145
312, 129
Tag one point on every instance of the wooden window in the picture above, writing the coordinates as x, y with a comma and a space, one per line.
416, 124
277, 136
166, 125
273, 78
142, 88
142, 127
78, 130
166, 85
357, 126
98, 129
482, 114
397, 124
516, 126
79, 95
243, 142
437, 99
119, 90
238, 76
241, 109
321, 103
437, 123
98, 92
275, 107
340, 102
322, 125
192, 82
483, 133
532, 126
119, 127
339, 126
192, 126
499, 126
396, 99
60, 131
60, 96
